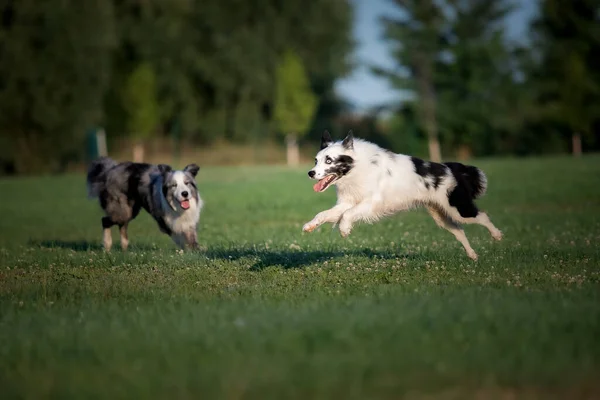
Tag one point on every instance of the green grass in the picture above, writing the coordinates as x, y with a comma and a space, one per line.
397, 310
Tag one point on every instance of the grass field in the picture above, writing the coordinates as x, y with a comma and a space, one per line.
397, 310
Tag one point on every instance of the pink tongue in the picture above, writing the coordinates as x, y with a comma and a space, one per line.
185, 204
320, 185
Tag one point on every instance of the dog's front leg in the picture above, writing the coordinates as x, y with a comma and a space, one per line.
362, 211
332, 215
191, 238
179, 239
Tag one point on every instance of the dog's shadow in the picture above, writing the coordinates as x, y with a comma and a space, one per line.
285, 259
83, 245
259, 259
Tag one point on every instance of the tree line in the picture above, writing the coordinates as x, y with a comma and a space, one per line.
250, 70
204, 70
472, 90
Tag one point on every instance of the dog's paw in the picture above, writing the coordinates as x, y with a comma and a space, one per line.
345, 230
309, 227
497, 235
197, 247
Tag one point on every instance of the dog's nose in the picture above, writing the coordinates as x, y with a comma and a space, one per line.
311, 174
184, 194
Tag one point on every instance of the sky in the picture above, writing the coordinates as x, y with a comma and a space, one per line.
362, 88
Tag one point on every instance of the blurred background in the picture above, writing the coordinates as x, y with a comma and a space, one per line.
256, 81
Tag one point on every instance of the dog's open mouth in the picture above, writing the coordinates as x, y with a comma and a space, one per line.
185, 204
325, 183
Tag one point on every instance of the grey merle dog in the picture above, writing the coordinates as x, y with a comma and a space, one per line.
170, 197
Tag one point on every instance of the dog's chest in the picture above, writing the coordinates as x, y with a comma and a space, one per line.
185, 221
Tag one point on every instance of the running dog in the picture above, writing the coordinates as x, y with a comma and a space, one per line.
373, 182
170, 197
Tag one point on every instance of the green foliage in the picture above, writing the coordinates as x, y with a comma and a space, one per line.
417, 38
54, 73
487, 94
295, 103
475, 83
455, 63
139, 102
567, 35
268, 312
66, 65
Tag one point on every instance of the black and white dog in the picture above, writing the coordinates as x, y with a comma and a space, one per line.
170, 197
373, 182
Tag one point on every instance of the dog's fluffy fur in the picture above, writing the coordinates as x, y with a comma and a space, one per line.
170, 197
373, 182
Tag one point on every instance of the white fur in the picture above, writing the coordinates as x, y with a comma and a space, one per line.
181, 221
382, 183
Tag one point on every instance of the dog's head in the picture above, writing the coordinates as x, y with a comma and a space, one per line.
333, 162
179, 187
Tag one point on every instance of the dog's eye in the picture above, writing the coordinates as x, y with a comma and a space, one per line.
186, 183
328, 161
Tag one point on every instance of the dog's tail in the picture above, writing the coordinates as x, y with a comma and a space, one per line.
473, 177
476, 180
96, 176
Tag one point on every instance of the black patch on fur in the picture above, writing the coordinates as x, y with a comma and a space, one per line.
432, 170
325, 139
460, 198
107, 222
470, 176
468, 186
96, 177
135, 172
341, 166
165, 188
192, 169
348, 142
163, 226
420, 168
164, 168
96, 170
103, 199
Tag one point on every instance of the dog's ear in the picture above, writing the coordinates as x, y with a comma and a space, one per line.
192, 169
164, 168
326, 139
348, 141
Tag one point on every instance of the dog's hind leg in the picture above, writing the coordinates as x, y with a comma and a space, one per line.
484, 220
107, 223
124, 237
444, 222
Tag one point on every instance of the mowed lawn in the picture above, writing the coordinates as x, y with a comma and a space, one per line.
397, 310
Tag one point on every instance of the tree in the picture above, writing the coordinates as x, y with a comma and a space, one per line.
140, 103
417, 40
211, 65
474, 80
568, 36
295, 103
54, 73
